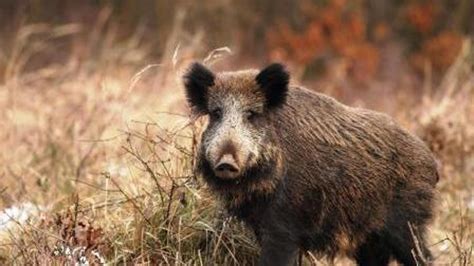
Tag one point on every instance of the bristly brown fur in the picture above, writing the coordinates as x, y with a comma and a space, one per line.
331, 178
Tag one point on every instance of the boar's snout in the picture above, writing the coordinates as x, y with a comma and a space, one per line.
227, 167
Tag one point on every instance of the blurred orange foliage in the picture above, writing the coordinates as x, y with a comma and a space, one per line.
338, 30
422, 15
333, 30
440, 51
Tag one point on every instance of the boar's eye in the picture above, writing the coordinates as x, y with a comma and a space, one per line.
215, 114
251, 115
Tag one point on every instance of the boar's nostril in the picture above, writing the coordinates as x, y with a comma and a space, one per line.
226, 167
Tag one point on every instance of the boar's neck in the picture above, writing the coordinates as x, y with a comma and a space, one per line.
250, 209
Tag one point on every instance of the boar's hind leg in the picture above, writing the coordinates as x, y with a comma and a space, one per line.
374, 251
278, 251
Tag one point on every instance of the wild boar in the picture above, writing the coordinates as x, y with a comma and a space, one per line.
306, 172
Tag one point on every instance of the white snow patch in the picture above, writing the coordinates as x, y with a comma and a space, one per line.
470, 204
78, 255
116, 169
18, 214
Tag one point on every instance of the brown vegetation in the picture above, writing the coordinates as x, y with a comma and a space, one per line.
96, 133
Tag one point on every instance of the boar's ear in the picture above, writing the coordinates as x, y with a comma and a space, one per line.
197, 81
273, 80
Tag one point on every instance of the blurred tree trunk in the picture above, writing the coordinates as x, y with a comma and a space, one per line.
464, 17
164, 12
378, 11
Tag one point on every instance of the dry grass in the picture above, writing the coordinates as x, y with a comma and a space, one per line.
104, 146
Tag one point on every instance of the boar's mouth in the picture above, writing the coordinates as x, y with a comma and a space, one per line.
245, 177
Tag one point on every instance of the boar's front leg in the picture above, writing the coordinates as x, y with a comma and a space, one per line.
278, 250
